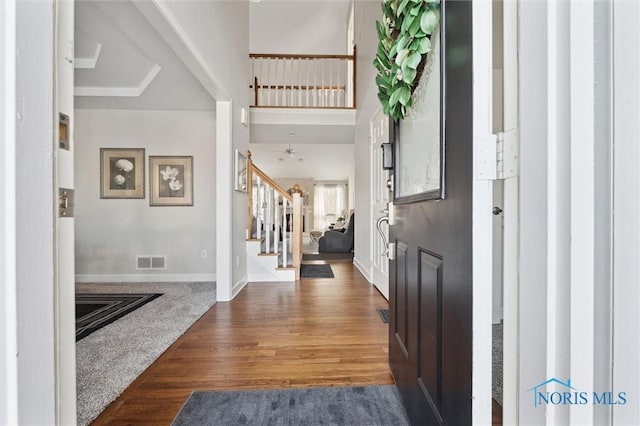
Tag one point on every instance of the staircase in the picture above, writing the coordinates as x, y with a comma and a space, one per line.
274, 228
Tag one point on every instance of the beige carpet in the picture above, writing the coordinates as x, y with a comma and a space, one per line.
110, 359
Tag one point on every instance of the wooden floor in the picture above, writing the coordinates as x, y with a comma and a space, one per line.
317, 332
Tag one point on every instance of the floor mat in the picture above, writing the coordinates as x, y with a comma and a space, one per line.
316, 271
94, 311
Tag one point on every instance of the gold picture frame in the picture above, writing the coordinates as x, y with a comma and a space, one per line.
170, 181
121, 173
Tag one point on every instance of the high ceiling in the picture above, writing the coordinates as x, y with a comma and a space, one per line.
123, 63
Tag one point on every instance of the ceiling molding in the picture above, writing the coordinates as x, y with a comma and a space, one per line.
89, 63
120, 91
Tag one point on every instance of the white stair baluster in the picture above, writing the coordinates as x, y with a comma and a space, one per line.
267, 219
258, 211
330, 103
284, 231
276, 214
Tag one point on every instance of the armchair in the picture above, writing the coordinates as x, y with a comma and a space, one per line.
336, 241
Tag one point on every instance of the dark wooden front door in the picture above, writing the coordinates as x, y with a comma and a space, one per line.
430, 334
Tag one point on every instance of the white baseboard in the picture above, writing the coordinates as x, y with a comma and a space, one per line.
140, 278
362, 269
237, 287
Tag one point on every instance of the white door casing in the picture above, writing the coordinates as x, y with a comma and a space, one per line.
64, 297
379, 131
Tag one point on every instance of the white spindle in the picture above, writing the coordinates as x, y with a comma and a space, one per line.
267, 219
323, 99
284, 82
284, 231
291, 83
258, 208
276, 227
300, 83
330, 103
308, 76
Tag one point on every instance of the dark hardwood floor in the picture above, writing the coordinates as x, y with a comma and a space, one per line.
317, 332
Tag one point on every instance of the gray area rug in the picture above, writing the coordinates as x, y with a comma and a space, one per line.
316, 271
369, 405
497, 363
111, 358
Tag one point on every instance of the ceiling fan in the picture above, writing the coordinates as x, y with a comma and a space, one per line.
289, 152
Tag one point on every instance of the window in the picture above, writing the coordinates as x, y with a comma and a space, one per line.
330, 202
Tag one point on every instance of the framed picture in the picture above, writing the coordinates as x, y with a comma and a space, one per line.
171, 181
121, 173
240, 172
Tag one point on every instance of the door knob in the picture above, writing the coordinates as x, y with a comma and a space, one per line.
497, 210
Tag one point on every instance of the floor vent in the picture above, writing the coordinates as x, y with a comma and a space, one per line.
151, 262
384, 315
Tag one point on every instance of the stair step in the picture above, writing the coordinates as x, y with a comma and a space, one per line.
269, 254
285, 268
254, 239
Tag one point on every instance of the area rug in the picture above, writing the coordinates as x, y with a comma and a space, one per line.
94, 311
110, 359
368, 405
327, 256
316, 271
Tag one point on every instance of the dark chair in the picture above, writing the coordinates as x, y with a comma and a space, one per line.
336, 241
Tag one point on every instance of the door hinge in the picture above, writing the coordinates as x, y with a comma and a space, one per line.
498, 156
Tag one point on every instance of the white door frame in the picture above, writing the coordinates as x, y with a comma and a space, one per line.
8, 301
378, 133
482, 230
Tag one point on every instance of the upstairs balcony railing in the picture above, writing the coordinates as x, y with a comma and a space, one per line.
303, 81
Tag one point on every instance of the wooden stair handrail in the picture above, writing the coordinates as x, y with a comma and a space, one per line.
295, 200
265, 178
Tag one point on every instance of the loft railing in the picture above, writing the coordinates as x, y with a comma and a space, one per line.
303, 81
278, 217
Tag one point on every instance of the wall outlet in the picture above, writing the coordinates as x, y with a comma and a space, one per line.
203, 254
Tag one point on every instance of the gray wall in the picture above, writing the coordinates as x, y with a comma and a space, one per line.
110, 233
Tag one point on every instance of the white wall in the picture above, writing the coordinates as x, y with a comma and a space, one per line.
366, 13
217, 33
111, 232
303, 27
35, 213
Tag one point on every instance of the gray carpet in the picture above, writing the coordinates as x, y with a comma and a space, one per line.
369, 405
111, 358
497, 363
316, 271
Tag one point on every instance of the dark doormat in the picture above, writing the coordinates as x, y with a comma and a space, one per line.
368, 405
95, 310
327, 256
316, 271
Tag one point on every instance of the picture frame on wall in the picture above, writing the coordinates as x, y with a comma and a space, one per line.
170, 181
122, 173
240, 172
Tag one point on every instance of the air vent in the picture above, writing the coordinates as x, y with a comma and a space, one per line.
151, 262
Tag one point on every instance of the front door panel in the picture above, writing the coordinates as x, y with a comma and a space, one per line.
430, 339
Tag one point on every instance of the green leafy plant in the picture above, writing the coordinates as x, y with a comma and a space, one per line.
404, 40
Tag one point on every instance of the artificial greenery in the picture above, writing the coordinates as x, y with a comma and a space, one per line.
404, 41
